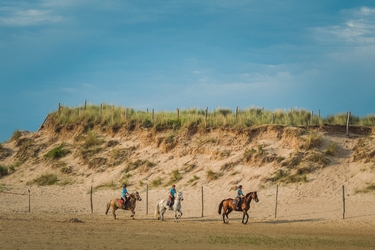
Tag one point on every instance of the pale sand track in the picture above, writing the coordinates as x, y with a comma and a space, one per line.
301, 223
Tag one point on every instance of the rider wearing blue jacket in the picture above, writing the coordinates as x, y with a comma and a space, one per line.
239, 197
124, 195
172, 193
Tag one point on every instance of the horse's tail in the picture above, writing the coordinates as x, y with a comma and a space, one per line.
156, 214
220, 206
108, 205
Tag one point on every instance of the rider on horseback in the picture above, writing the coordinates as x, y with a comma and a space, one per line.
171, 197
124, 195
239, 197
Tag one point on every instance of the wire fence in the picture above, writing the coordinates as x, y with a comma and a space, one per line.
42, 203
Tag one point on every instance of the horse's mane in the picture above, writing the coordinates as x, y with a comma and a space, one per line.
250, 193
134, 194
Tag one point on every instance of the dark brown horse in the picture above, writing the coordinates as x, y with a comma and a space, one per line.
228, 206
117, 203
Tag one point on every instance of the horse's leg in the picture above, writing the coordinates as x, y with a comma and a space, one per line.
159, 214
113, 211
229, 210
157, 210
245, 214
133, 213
179, 216
175, 215
226, 211
162, 213
106, 211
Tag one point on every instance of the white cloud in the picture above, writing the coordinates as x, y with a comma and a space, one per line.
69, 90
29, 17
367, 11
357, 30
87, 85
59, 3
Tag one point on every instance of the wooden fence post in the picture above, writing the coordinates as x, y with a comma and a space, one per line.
178, 113
347, 122
277, 194
92, 208
45, 119
85, 104
59, 108
29, 200
311, 118
206, 113
236, 113
152, 115
343, 202
101, 108
146, 199
273, 118
202, 202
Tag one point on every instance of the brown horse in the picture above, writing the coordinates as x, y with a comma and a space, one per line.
228, 206
117, 204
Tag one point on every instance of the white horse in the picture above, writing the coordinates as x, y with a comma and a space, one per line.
161, 207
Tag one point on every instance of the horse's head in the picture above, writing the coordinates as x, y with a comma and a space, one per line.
138, 196
254, 196
180, 196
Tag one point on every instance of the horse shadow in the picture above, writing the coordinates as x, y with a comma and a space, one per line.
359, 216
275, 222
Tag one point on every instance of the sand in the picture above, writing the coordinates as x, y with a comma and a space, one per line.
61, 218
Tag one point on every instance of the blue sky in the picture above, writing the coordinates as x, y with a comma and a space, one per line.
163, 55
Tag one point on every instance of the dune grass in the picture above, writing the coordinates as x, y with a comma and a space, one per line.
211, 175
156, 182
44, 180
115, 117
368, 189
109, 185
331, 149
6, 169
57, 153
